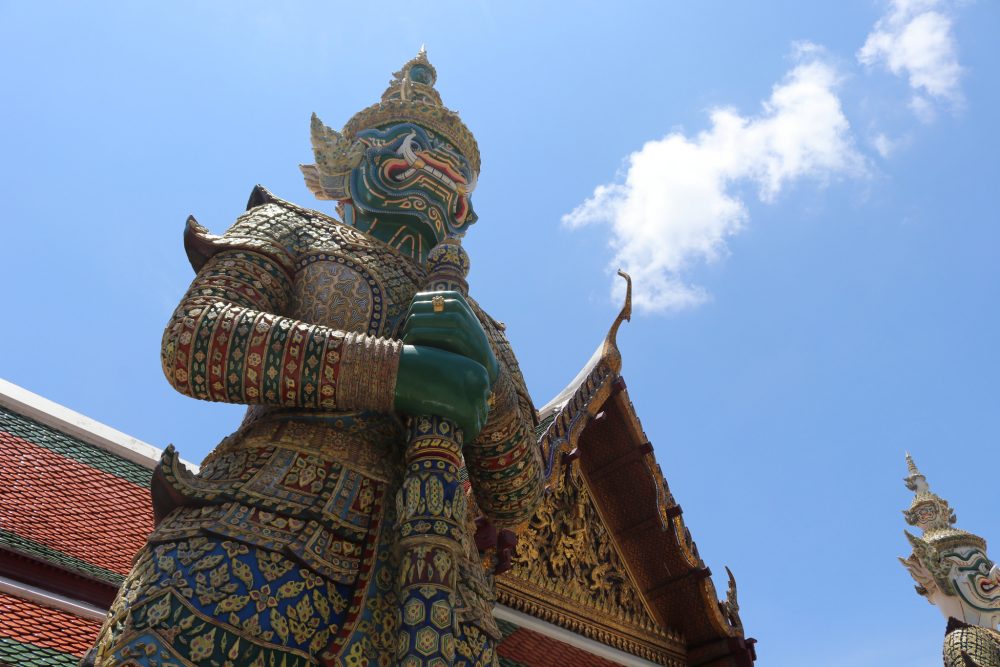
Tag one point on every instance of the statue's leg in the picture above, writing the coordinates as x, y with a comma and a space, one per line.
208, 600
279, 550
374, 638
475, 648
371, 641
477, 633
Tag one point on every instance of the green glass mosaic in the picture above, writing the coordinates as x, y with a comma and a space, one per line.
41, 552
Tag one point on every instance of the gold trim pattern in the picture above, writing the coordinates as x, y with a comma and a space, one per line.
368, 372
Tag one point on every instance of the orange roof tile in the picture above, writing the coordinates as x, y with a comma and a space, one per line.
30, 623
71, 507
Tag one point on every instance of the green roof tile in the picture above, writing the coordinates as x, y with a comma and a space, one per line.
72, 448
507, 662
506, 628
39, 551
17, 654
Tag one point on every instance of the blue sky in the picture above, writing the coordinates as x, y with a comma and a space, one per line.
804, 192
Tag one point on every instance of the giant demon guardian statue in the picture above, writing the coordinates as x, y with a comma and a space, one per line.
387, 412
954, 573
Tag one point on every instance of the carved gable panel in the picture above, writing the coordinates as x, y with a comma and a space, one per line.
567, 571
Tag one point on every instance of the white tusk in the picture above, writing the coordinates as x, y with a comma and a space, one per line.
406, 150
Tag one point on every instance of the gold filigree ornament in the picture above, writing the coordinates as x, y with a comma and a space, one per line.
410, 98
568, 571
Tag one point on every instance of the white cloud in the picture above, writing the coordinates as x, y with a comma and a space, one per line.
884, 145
915, 40
675, 206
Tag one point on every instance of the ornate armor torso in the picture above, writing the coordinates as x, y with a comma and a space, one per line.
287, 527
323, 532
340, 278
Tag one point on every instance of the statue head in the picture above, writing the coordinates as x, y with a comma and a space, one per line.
403, 169
950, 565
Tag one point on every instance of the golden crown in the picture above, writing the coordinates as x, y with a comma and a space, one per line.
410, 97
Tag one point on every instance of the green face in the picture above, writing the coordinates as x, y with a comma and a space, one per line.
411, 189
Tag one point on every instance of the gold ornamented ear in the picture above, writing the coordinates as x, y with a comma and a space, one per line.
335, 156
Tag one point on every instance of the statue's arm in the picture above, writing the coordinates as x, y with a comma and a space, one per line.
501, 453
504, 462
227, 341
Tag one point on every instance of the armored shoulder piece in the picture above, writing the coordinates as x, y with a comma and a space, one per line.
232, 337
271, 226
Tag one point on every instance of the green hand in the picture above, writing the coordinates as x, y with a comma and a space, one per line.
437, 382
455, 329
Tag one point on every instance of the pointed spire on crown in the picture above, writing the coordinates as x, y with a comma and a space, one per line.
410, 98
414, 82
915, 481
932, 513
935, 518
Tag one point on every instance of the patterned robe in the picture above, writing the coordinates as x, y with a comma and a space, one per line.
278, 552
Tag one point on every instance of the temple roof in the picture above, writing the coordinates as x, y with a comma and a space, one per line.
522, 647
75, 508
74, 505
40, 636
633, 577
